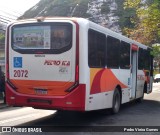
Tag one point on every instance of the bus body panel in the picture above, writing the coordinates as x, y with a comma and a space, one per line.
84, 77
102, 86
33, 73
56, 74
73, 101
140, 83
123, 78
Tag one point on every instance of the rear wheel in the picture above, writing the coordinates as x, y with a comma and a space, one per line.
116, 101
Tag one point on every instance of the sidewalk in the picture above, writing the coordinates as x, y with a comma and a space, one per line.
2, 104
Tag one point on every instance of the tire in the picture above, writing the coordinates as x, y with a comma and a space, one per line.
140, 100
116, 103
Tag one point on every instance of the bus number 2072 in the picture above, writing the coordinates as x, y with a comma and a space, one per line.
21, 73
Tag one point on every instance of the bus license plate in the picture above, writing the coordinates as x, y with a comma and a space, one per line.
41, 91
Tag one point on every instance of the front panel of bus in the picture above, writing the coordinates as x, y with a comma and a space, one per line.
42, 65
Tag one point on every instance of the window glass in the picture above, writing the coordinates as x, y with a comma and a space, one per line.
113, 52
140, 59
144, 59
61, 37
32, 37
47, 37
147, 60
96, 49
124, 55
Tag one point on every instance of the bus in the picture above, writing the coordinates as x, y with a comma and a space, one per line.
74, 64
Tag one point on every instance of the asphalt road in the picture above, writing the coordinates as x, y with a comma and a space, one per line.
136, 114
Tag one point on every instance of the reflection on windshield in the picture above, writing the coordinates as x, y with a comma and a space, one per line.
42, 37
34, 37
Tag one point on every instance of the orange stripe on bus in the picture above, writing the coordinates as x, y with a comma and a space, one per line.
53, 87
104, 80
93, 73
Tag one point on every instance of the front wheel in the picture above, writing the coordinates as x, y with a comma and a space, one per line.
144, 91
116, 101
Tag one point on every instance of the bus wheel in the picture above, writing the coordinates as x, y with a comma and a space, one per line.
139, 100
116, 101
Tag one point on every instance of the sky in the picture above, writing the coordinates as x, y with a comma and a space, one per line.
15, 8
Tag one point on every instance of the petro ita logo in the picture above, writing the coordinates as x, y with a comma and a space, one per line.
17, 62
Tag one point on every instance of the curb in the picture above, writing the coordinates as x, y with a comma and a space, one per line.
3, 105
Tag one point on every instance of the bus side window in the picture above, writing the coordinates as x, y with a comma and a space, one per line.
96, 49
112, 58
124, 55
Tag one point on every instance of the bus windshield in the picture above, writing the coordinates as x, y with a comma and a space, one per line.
55, 37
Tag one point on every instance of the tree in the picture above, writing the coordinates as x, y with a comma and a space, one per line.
156, 53
105, 8
2, 38
147, 21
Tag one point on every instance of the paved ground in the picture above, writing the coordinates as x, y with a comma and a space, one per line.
2, 104
131, 114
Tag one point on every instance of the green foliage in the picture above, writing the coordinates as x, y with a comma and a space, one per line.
147, 20
132, 4
125, 15
81, 9
156, 51
2, 38
105, 8
126, 18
